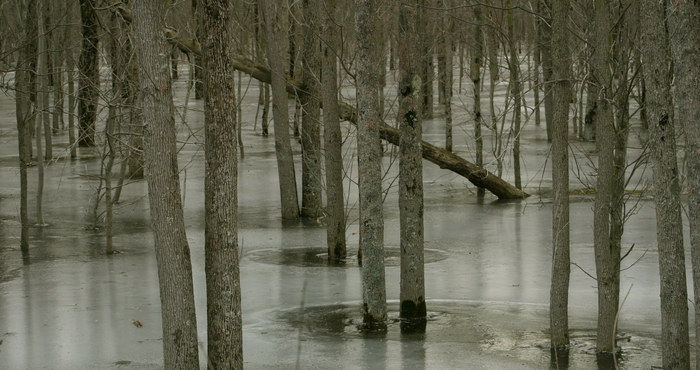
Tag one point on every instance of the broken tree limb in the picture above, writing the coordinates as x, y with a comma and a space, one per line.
447, 160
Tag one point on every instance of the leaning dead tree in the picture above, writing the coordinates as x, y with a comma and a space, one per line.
475, 174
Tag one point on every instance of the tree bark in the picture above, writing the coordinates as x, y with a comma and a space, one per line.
23, 113
684, 34
545, 36
160, 154
311, 191
275, 20
515, 91
669, 224
224, 323
41, 106
426, 67
559, 293
88, 76
410, 170
477, 61
606, 258
369, 155
333, 140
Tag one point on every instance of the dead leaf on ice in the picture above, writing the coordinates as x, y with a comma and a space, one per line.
138, 324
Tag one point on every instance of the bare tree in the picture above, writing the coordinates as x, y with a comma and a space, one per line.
477, 61
369, 155
607, 258
23, 113
311, 191
224, 324
669, 224
333, 140
274, 14
410, 169
88, 78
684, 34
160, 155
516, 93
561, 60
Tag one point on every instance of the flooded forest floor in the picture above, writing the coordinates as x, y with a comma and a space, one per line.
68, 305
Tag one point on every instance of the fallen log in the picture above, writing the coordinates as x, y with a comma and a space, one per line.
447, 160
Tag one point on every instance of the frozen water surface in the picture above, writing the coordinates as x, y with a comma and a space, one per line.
67, 305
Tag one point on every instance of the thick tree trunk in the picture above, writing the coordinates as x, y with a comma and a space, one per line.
684, 34
369, 155
410, 172
275, 20
605, 257
311, 191
559, 293
669, 224
333, 140
88, 76
160, 154
224, 324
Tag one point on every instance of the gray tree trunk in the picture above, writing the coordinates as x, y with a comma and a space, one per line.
88, 76
447, 75
41, 106
426, 41
515, 91
561, 88
684, 34
669, 224
333, 139
23, 114
311, 190
545, 36
274, 14
369, 155
224, 323
160, 154
476, 62
606, 258
410, 170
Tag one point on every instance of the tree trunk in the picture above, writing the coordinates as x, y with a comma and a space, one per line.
669, 224
23, 114
559, 293
88, 76
545, 36
410, 172
426, 67
41, 85
160, 154
447, 77
333, 140
311, 191
606, 258
224, 324
516, 94
684, 32
369, 155
275, 19
477, 60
